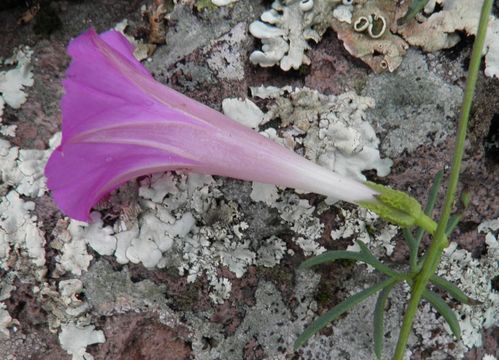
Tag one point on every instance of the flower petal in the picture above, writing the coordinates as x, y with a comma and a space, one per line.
80, 174
119, 123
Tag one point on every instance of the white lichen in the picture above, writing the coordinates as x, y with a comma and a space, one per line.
23, 169
271, 252
223, 2
70, 292
73, 237
266, 193
245, 112
19, 232
13, 82
75, 340
225, 54
286, 29
336, 134
5, 321
73, 256
364, 226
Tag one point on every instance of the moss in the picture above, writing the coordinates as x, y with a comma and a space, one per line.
202, 5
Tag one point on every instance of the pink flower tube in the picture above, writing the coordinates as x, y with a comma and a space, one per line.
118, 123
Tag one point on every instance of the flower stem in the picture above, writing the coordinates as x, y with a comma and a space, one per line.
440, 241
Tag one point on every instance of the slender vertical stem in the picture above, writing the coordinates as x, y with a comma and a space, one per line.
440, 242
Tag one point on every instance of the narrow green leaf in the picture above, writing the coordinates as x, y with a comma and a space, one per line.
413, 248
409, 238
330, 256
364, 255
379, 312
465, 199
452, 289
374, 262
338, 310
430, 203
432, 196
443, 309
451, 225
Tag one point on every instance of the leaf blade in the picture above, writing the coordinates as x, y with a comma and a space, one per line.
452, 289
323, 320
378, 321
330, 256
430, 203
443, 309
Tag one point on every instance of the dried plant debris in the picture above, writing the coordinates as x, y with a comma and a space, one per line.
286, 29
156, 15
143, 50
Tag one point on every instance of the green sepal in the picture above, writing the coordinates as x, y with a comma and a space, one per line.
398, 207
394, 205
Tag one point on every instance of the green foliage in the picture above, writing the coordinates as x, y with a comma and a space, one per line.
400, 208
444, 310
339, 310
378, 322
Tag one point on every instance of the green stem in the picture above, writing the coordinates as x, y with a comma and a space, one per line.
440, 241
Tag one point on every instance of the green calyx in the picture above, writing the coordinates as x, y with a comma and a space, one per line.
398, 207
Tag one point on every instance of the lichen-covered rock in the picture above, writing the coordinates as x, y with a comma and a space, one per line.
414, 106
334, 130
75, 340
440, 29
19, 233
14, 81
368, 35
286, 29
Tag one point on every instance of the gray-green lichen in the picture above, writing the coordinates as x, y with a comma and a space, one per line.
270, 323
414, 106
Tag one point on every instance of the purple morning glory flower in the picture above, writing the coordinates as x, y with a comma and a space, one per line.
118, 123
